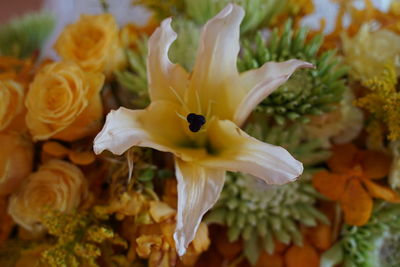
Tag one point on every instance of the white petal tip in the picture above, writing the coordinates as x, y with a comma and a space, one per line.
228, 9
180, 243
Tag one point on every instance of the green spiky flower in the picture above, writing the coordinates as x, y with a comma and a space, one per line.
24, 35
374, 244
134, 78
308, 91
258, 12
258, 213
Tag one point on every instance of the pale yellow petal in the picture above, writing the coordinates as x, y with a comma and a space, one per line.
167, 81
256, 85
160, 126
198, 190
216, 59
234, 150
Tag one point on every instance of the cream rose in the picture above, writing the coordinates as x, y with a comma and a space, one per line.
12, 102
64, 102
57, 185
93, 42
16, 156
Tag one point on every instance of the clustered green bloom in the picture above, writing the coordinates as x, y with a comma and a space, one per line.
25, 35
308, 91
134, 77
259, 213
375, 244
258, 12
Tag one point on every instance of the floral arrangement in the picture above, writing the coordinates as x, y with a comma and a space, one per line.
273, 145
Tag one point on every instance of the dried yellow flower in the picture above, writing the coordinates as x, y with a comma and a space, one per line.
383, 102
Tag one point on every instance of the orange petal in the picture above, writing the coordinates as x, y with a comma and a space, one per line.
305, 256
320, 236
82, 158
382, 192
329, 184
356, 204
375, 164
267, 260
343, 158
55, 149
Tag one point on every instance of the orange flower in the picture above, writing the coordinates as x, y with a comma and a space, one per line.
316, 240
351, 181
56, 150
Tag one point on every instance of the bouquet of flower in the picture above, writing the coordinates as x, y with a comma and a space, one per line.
218, 133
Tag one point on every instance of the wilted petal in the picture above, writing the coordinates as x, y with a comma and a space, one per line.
167, 81
198, 190
234, 150
261, 82
158, 127
217, 55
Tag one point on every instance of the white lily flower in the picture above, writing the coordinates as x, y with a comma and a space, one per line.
197, 117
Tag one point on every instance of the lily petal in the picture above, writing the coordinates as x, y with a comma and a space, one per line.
216, 56
234, 150
261, 82
125, 128
120, 132
198, 190
167, 81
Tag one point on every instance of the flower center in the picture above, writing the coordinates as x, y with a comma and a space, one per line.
195, 122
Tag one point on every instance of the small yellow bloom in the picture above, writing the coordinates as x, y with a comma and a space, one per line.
93, 43
64, 102
383, 102
368, 51
197, 117
16, 158
57, 185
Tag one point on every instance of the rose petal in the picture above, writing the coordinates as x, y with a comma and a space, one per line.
234, 150
375, 164
198, 190
378, 191
259, 83
167, 81
356, 204
329, 184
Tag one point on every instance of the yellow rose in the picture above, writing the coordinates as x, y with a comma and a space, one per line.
12, 102
16, 156
93, 43
57, 185
64, 102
